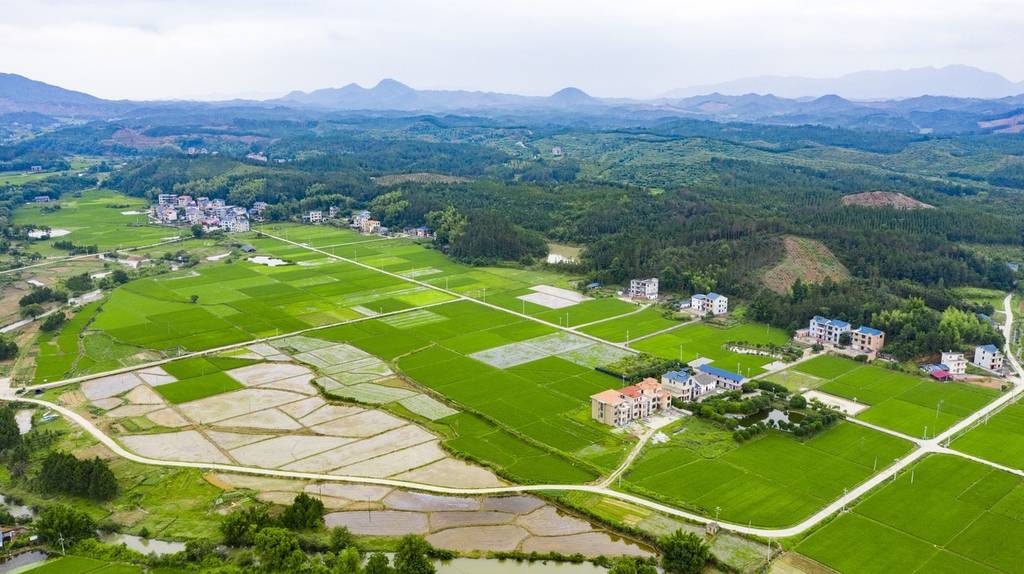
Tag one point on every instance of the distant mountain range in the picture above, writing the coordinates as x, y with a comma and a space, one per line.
918, 114
956, 81
393, 95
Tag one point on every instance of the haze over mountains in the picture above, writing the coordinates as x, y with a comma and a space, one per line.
925, 100
956, 81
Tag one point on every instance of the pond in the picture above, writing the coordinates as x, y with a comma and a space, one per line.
21, 560
144, 545
268, 261
772, 417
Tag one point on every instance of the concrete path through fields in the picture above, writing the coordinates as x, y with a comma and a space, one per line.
83, 378
924, 448
54, 260
450, 292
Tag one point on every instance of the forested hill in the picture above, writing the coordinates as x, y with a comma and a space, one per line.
702, 205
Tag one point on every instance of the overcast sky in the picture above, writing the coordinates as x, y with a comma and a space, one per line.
148, 49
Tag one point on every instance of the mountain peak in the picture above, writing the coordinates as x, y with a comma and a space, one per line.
392, 86
571, 95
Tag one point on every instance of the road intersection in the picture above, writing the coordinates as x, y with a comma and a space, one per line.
923, 447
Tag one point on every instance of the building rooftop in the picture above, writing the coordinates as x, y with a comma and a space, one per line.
869, 331
990, 348
833, 322
609, 397
715, 371
678, 376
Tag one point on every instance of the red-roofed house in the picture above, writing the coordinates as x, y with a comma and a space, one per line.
618, 408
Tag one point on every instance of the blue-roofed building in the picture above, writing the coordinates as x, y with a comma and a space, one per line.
724, 379
867, 340
988, 357
825, 330
710, 303
688, 387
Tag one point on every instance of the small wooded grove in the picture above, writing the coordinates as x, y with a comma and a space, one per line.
62, 473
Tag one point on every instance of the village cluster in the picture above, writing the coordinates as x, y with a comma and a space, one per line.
212, 214
699, 380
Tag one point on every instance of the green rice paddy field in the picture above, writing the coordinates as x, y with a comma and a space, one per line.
545, 400
946, 515
999, 439
648, 321
95, 218
899, 401
707, 340
773, 480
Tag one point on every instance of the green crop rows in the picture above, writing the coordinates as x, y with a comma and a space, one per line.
902, 402
945, 515
774, 480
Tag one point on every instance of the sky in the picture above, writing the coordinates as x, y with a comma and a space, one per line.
213, 49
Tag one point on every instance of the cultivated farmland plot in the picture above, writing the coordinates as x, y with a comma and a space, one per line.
902, 402
773, 480
938, 516
708, 341
103, 218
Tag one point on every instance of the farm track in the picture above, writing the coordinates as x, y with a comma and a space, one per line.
56, 260
924, 447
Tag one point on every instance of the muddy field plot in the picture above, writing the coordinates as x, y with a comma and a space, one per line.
465, 523
530, 350
276, 419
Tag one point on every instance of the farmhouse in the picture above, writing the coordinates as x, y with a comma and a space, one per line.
9, 533
313, 217
988, 357
723, 379
688, 387
712, 303
618, 408
953, 363
41, 199
644, 289
825, 330
867, 340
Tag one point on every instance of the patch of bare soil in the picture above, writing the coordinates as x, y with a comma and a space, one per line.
421, 177
793, 563
808, 260
885, 199
1009, 125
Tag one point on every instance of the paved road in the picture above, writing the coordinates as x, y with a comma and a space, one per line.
924, 447
232, 346
449, 292
46, 262
663, 331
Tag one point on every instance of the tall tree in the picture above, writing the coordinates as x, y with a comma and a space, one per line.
684, 553
412, 557
278, 550
10, 435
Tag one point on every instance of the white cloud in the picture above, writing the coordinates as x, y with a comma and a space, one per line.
189, 48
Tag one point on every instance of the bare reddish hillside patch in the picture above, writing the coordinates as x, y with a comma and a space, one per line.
806, 259
885, 199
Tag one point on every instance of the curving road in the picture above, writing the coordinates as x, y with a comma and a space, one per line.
924, 448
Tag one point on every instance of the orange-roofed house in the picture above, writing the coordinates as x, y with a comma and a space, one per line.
618, 408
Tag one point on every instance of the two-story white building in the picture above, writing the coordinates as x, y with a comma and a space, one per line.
713, 303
